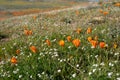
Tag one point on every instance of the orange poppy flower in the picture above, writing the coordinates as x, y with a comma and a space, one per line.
96, 38
69, 38
101, 11
89, 39
102, 44
78, 30
105, 13
117, 4
61, 43
77, 12
34, 17
28, 32
33, 49
48, 42
94, 43
76, 42
115, 45
108, 8
13, 60
89, 30
17, 51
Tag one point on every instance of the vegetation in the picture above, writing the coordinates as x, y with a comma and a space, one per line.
79, 44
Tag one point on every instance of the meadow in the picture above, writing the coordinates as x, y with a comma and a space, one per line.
81, 44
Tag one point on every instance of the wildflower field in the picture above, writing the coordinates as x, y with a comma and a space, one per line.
81, 44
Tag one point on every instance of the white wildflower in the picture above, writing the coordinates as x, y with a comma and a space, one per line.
39, 75
77, 65
59, 71
118, 78
102, 64
110, 74
93, 70
74, 75
90, 73
20, 76
116, 54
110, 64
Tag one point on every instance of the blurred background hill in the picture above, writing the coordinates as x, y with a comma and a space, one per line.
10, 8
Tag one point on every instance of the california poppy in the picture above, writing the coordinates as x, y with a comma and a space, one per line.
101, 11
102, 44
48, 42
105, 13
89, 30
94, 43
96, 38
61, 43
28, 32
17, 51
33, 49
89, 39
115, 45
78, 30
77, 12
69, 38
117, 4
76, 42
13, 60
34, 17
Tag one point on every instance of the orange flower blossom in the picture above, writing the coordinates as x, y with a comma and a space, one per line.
89, 30
76, 42
102, 44
33, 49
61, 43
78, 30
69, 38
48, 42
94, 43
13, 60
17, 51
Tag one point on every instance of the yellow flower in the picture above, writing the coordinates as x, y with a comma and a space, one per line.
61, 43
96, 38
115, 45
89, 39
33, 49
76, 42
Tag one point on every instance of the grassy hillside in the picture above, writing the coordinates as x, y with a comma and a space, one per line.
24, 4
10, 8
79, 44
